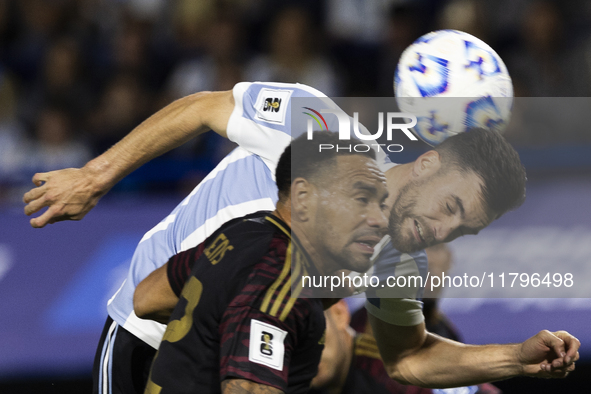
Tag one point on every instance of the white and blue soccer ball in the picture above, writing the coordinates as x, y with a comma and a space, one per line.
452, 81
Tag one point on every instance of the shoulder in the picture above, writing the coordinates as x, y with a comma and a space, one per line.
248, 228
254, 89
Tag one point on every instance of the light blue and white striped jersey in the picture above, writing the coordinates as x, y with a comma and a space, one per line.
242, 183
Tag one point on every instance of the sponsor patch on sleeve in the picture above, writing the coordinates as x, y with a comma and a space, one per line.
266, 345
271, 105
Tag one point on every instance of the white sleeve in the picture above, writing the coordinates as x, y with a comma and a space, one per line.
263, 133
397, 305
396, 311
266, 117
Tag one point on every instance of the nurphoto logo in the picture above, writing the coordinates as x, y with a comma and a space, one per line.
344, 126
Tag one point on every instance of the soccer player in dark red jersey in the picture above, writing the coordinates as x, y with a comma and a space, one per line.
351, 362
238, 324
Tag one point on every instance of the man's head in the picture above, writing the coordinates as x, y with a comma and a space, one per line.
337, 200
458, 188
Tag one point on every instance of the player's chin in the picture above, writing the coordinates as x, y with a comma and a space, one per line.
361, 263
406, 244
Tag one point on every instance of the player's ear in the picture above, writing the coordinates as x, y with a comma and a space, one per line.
426, 164
301, 199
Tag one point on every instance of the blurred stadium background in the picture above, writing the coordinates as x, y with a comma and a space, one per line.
77, 75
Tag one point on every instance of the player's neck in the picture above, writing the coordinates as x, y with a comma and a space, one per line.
283, 211
396, 178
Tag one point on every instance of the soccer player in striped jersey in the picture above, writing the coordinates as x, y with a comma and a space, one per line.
427, 210
257, 116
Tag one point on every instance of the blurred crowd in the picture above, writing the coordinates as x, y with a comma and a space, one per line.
77, 75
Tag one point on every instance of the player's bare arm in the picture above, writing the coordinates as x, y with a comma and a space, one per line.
153, 298
414, 356
242, 386
71, 193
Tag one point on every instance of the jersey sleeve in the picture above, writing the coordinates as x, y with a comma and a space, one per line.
400, 306
256, 346
179, 267
261, 121
266, 116
396, 311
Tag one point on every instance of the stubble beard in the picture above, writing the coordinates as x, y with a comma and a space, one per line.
402, 210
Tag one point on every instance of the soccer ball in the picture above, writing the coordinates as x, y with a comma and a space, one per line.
452, 81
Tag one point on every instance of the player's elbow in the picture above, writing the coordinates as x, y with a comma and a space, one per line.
394, 372
402, 373
143, 304
140, 304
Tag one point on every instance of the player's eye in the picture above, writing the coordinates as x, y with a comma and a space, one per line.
449, 208
363, 200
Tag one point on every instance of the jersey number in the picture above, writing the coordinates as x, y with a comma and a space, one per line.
177, 329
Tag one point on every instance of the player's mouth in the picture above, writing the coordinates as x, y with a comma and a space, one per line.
418, 233
367, 243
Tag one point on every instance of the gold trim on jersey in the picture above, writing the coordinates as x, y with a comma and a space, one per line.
365, 345
298, 289
284, 290
278, 281
279, 226
292, 255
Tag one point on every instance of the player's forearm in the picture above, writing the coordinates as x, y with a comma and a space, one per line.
153, 298
167, 129
242, 386
444, 363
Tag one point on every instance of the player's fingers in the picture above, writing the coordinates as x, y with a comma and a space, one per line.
572, 345
34, 194
561, 372
40, 177
36, 205
558, 363
48, 216
554, 342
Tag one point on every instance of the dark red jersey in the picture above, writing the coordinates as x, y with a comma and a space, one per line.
236, 317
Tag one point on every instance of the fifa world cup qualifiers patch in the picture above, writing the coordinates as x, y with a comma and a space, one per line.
271, 105
266, 345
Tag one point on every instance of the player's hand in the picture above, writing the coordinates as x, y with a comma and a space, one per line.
69, 194
549, 354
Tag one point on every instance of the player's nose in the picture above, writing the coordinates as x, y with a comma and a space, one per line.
443, 229
377, 218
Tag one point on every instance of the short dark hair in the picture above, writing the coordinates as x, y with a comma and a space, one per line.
310, 161
488, 154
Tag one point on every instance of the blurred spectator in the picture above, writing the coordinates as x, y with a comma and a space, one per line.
123, 105
55, 146
294, 55
361, 21
190, 24
12, 136
548, 62
219, 67
405, 25
465, 15
60, 82
356, 31
37, 21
